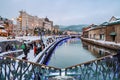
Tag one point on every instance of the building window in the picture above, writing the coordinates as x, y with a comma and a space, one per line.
101, 36
90, 36
113, 38
113, 35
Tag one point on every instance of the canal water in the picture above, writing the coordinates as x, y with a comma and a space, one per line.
73, 51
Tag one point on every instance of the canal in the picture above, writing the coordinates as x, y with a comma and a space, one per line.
73, 51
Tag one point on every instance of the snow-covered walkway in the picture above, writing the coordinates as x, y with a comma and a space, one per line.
30, 56
107, 44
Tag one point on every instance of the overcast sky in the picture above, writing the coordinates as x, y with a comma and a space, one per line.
63, 12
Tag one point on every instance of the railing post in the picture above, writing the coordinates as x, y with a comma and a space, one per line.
65, 71
5, 71
60, 72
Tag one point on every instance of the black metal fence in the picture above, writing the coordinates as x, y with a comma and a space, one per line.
105, 68
16, 69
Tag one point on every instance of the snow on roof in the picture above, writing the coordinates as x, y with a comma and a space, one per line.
3, 39
104, 23
117, 21
27, 38
1, 26
91, 28
3, 31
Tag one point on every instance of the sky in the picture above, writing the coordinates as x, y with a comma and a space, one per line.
63, 12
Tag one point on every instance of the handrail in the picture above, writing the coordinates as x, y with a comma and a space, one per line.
31, 62
105, 68
36, 68
91, 61
17, 69
19, 52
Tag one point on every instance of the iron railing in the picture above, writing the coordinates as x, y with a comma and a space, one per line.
16, 69
105, 68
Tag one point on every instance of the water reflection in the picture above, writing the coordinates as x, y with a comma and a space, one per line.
98, 51
69, 52
73, 51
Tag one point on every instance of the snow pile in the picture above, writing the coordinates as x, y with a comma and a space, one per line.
104, 42
3, 38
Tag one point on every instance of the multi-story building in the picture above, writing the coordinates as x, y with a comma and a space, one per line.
8, 25
3, 32
113, 30
108, 31
27, 23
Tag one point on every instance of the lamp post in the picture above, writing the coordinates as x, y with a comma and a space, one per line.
26, 27
33, 28
40, 33
26, 30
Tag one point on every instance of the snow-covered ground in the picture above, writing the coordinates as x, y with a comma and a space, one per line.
30, 56
104, 42
27, 38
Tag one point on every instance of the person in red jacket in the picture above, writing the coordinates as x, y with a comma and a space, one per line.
35, 50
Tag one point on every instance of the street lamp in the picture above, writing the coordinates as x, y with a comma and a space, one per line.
26, 27
40, 33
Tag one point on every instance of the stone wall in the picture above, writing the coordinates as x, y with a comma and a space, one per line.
109, 46
117, 29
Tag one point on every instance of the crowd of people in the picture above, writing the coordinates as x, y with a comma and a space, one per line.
9, 47
37, 46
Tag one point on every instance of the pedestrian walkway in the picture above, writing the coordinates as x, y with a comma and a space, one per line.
30, 56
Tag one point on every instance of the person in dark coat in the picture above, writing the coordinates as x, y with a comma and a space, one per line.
8, 47
25, 50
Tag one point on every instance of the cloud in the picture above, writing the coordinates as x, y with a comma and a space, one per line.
64, 11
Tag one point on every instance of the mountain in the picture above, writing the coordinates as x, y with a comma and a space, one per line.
77, 28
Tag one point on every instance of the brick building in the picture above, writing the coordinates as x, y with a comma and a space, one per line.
97, 33
108, 31
85, 31
113, 30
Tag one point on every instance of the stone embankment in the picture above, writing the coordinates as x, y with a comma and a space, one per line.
106, 44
